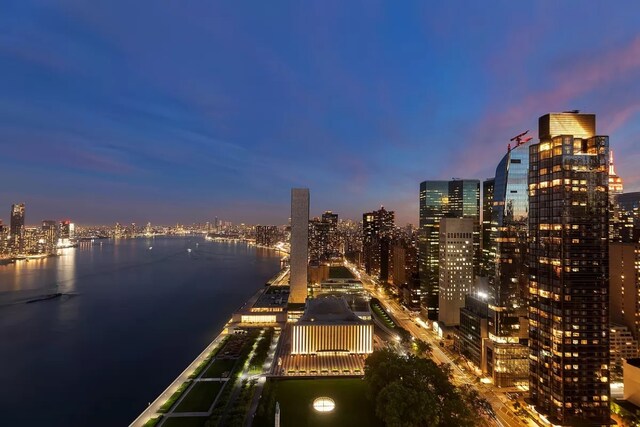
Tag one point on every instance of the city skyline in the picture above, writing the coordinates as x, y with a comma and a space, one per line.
106, 120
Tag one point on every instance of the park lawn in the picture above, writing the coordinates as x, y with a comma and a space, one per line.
175, 396
219, 367
296, 398
152, 422
200, 397
340, 272
185, 422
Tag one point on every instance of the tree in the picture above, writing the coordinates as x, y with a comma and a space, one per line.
416, 392
422, 348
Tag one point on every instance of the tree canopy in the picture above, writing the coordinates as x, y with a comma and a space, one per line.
411, 391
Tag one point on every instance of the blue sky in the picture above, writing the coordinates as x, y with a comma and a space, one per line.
182, 111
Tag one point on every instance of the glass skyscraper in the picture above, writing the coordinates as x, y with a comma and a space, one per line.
568, 271
438, 199
506, 348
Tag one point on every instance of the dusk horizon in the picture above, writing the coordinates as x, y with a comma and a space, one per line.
181, 114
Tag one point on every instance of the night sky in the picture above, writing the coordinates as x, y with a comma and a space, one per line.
168, 111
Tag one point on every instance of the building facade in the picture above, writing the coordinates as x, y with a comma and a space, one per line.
267, 235
17, 230
624, 285
328, 326
377, 230
507, 358
456, 267
568, 271
299, 255
438, 199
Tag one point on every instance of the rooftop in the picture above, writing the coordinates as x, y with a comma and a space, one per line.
634, 362
328, 309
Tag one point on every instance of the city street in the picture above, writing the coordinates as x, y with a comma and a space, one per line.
503, 409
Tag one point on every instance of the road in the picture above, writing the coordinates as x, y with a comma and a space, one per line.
505, 415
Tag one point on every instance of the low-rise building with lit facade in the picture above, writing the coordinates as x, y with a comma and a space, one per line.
329, 327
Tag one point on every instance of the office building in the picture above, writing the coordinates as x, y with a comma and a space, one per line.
377, 230
456, 267
473, 330
568, 265
438, 199
505, 230
487, 267
299, 245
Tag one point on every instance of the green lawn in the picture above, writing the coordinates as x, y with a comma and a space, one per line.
200, 397
296, 397
185, 422
169, 403
219, 367
340, 272
152, 422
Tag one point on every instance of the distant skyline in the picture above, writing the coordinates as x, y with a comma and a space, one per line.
164, 112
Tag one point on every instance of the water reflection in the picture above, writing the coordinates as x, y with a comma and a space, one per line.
66, 270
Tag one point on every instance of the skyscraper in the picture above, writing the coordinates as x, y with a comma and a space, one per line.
616, 220
299, 254
456, 267
51, 234
377, 229
17, 226
624, 296
323, 238
488, 251
506, 349
454, 199
266, 235
568, 266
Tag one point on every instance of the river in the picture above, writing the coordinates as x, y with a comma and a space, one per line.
129, 321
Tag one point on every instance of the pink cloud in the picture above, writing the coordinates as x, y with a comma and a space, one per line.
580, 76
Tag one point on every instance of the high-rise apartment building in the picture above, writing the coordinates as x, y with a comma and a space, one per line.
568, 265
377, 230
17, 230
624, 285
456, 267
324, 242
299, 255
438, 199
51, 234
267, 235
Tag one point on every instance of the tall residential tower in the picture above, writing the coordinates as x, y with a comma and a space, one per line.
568, 271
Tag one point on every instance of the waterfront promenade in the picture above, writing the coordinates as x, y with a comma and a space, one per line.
153, 410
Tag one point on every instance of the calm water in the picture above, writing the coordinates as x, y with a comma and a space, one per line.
133, 321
